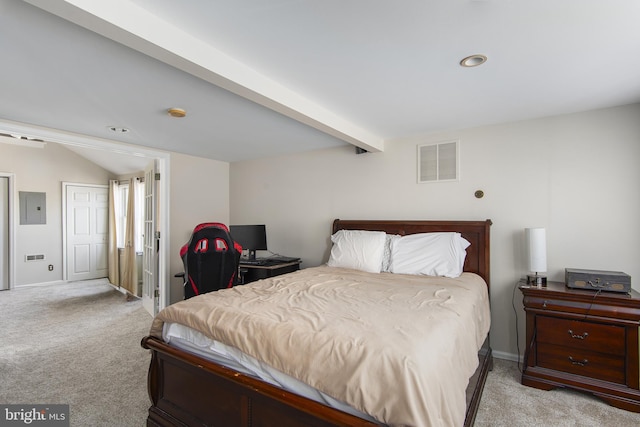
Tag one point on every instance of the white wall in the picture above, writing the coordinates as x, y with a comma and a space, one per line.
199, 193
44, 170
576, 175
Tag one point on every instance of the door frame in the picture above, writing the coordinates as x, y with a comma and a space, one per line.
163, 168
11, 199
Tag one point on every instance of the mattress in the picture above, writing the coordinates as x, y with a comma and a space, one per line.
397, 348
194, 342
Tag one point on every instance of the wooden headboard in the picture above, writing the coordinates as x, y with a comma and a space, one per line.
476, 232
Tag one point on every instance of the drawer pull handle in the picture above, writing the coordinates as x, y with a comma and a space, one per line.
578, 362
544, 304
576, 336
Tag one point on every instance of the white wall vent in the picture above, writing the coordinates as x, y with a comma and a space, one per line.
38, 257
438, 162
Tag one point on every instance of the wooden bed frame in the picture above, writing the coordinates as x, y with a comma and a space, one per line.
187, 390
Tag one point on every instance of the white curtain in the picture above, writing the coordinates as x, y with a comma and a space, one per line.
114, 259
130, 273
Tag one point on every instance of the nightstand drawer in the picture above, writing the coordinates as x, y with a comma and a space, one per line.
585, 363
581, 335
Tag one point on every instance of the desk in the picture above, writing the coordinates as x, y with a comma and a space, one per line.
250, 273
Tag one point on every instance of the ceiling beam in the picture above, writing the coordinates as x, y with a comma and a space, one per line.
134, 27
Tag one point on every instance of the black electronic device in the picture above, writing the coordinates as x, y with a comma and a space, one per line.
597, 280
251, 237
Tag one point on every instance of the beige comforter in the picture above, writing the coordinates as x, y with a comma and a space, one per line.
400, 348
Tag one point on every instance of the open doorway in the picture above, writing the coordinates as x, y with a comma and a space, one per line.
106, 148
111, 232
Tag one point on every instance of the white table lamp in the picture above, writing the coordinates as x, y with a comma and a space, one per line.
536, 247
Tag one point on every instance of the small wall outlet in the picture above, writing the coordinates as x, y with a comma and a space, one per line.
50, 267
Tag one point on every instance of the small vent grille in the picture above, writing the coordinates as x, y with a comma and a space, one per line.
38, 257
438, 162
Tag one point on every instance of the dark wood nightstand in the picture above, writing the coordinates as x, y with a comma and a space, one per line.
584, 340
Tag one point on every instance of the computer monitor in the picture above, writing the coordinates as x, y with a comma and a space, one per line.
252, 237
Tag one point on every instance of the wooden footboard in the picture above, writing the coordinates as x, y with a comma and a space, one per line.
186, 390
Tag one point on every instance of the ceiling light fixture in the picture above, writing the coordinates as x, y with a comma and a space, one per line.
176, 112
21, 137
473, 61
118, 129
24, 141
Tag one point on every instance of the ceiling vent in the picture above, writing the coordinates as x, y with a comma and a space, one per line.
438, 162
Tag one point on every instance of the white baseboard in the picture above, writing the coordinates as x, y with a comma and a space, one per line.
27, 285
55, 282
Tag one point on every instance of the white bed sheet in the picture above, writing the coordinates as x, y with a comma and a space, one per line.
197, 343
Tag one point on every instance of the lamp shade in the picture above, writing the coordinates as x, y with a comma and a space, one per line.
536, 246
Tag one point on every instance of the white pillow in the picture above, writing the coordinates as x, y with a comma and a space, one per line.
386, 256
357, 249
433, 254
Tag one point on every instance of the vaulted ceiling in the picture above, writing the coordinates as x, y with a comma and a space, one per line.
264, 78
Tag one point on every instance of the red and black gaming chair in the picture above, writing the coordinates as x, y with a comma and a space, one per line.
210, 260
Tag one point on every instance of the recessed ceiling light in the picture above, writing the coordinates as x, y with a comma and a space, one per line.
24, 141
118, 129
473, 61
21, 137
176, 112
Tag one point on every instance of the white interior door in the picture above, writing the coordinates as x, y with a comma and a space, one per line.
87, 229
4, 233
150, 288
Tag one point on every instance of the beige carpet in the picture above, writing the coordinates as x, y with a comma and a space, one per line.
507, 403
76, 344
79, 344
